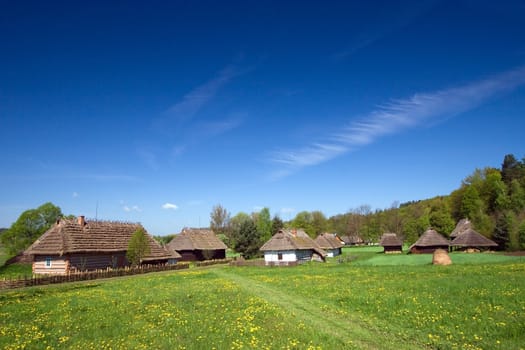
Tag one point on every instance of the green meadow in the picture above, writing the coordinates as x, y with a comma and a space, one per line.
363, 300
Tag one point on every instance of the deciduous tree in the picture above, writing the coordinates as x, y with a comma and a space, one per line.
138, 247
264, 224
29, 226
246, 239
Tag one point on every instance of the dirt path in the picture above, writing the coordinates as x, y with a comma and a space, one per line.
349, 331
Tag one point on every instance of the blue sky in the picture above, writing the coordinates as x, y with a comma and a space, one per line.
154, 112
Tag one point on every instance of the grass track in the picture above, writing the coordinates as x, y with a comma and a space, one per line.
351, 332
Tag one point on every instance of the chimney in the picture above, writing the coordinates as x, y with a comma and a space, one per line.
82, 220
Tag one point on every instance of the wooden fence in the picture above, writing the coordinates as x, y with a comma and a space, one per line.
37, 280
213, 262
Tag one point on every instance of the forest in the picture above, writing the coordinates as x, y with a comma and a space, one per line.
492, 199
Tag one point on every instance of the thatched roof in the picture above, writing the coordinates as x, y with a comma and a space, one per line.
471, 238
390, 240
292, 240
462, 225
431, 238
352, 239
78, 236
329, 241
196, 239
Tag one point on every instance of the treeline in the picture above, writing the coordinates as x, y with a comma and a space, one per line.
492, 199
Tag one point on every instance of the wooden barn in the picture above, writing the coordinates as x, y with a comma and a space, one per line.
73, 245
290, 247
462, 225
391, 243
198, 245
352, 240
330, 243
429, 241
472, 241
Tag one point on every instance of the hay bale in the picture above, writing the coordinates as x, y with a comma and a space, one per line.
441, 257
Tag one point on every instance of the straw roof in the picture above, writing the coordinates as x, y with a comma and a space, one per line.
352, 239
471, 238
390, 240
431, 238
71, 236
292, 240
462, 225
196, 239
329, 241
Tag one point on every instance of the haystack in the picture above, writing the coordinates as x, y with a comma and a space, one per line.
441, 257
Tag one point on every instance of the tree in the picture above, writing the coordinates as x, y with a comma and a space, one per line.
246, 239
319, 222
440, 218
277, 224
220, 221
264, 224
235, 226
138, 247
517, 196
494, 192
511, 169
30, 225
471, 204
303, 220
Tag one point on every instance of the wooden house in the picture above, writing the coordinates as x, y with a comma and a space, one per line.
352, 240
471, 241
198, 245
289, 247
391, 243
330, 243
73, 245
429, 241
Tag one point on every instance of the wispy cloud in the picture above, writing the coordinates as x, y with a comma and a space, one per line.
396, 116
185, 123
383, 24
194, 101
218, 127
133, 208
75, 194
170, 206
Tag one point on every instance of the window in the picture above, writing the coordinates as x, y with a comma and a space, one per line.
48, 262
279, 256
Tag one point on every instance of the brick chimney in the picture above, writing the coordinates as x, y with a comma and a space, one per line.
81, 220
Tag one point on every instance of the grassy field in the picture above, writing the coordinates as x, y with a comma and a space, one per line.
368, 301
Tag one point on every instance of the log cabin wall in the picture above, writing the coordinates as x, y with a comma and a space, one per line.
97, 261
50, 265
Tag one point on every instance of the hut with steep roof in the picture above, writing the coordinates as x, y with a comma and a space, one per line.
391, 243
429, 241
462, 225
195, 244
330, 243
471, 241
288, 247
73, 245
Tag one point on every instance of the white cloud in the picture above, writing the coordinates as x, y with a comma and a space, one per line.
75, 194
396, 116
133, 208
169, 206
